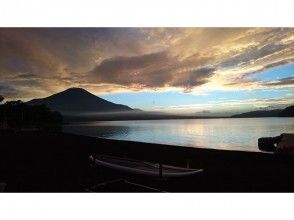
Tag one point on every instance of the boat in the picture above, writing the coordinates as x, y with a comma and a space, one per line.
145, 168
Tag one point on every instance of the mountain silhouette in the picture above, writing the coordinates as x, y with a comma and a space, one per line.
287, 112
259, 113
78, 100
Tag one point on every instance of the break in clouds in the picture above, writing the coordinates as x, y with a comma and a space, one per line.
36, 62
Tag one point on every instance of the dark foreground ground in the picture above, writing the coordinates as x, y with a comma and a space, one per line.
58, 162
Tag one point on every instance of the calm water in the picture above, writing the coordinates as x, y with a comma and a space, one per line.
237, 134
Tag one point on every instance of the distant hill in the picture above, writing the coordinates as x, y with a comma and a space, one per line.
287, 112
78, 100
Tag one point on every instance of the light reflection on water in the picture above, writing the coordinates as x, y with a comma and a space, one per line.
234, 134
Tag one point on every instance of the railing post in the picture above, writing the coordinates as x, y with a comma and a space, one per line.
160, 170
188, 163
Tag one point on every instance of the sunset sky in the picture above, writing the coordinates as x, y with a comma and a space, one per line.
204, 71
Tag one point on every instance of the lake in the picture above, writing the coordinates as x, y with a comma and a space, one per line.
229, 133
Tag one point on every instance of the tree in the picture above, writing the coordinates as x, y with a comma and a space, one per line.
1, 98
14, 103
19, 115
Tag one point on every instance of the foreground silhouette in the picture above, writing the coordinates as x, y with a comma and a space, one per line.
37, 161
18, 115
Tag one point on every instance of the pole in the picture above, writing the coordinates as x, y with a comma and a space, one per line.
160, 170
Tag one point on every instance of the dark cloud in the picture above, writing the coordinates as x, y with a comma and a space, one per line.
6, 90
269, 107
279, 63
23, 76
253, 54
281, 82
150, 70
203, 112
193, 78
245, 77
288, 81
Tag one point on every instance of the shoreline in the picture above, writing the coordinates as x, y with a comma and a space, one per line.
181, 146
73, 119
34, 161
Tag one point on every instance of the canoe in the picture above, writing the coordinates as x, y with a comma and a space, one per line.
142, 167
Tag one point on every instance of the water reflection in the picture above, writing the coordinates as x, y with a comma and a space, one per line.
237, 134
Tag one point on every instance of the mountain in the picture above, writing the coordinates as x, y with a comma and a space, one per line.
256, 114
287, 112
78, 100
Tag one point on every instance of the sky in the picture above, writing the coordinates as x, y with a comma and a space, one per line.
195, 71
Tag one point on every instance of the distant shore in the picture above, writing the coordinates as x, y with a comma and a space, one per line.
33, 161
130, 117
70, 118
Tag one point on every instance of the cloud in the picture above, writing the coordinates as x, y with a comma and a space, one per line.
250, 84
137, 70
193, 78
41, 61
270, 65
153, 71
6, 90
230, 106
203, 112
288, 81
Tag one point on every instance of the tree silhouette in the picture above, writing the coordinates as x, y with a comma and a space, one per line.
1, 98
18, 115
